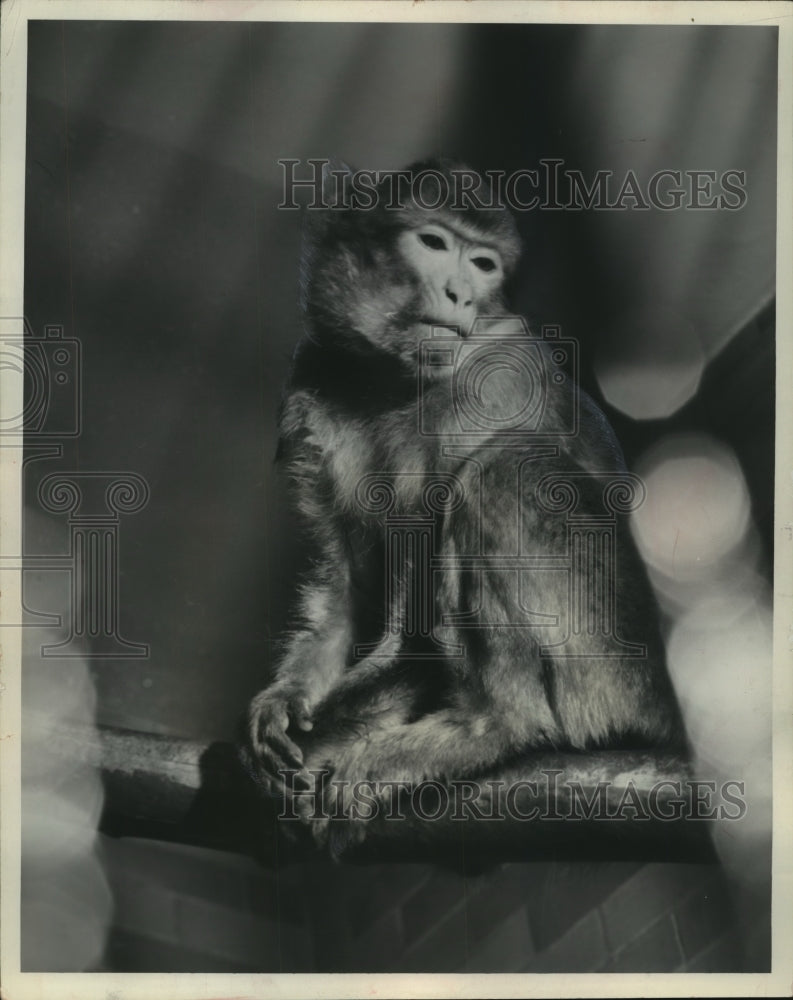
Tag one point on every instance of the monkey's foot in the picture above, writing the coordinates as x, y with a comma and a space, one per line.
334, 832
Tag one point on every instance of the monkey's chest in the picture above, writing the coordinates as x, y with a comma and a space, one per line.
385, 467
392, 583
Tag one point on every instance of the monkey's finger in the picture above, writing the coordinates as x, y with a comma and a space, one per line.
306, 808
300, 779
267, 785
301, 714
257, 734
280, 743
260, 746
264, 780
271, 764
297, 782
270, 740
264, 715
285, 783
252, 766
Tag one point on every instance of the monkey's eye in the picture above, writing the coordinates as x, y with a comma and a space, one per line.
485, 264
433, 241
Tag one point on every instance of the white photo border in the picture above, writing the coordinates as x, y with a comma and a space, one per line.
17, 985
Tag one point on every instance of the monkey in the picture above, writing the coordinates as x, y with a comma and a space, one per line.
532, 643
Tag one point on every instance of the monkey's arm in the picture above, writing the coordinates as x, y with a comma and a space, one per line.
314, 659
316, 654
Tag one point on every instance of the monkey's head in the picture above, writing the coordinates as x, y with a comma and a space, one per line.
386, 263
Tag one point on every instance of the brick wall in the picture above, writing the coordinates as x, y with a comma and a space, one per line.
191, 909
541, 917
183, 908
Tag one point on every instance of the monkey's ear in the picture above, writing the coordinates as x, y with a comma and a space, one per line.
317, 221
334, 174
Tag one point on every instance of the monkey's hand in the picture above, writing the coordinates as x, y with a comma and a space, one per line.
271, 713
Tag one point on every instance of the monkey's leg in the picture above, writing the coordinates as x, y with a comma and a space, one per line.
371, 697
442, 745
496, 709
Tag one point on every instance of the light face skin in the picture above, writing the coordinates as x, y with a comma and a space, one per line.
457, 276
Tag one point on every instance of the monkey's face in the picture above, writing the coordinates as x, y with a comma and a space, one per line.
384, 278
457, 279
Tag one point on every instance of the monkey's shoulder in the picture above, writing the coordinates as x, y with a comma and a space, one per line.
332, 452
324, 447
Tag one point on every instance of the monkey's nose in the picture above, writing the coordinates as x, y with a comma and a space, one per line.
455, 297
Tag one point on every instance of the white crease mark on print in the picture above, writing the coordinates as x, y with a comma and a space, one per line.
66, 901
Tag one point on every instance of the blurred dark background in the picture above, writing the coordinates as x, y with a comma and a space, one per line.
153, 237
